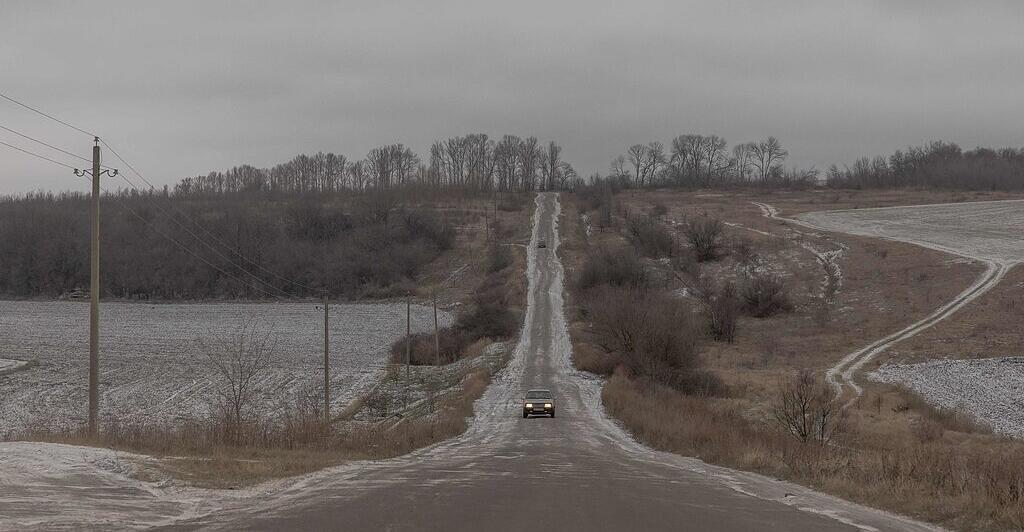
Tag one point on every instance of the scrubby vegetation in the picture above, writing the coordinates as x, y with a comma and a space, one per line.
775, 417
942, 165
313, 225
492, 315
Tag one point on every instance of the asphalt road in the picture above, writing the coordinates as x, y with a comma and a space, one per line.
578, 471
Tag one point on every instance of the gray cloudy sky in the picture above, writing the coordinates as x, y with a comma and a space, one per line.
183, 88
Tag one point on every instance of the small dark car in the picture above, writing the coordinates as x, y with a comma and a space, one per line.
542, 244
539, 402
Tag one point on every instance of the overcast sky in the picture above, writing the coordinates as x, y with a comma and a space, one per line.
184, 88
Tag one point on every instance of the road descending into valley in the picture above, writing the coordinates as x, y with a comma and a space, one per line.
579, 471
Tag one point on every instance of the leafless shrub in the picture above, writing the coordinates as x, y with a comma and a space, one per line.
705, 235
237, 365
613, 267
807, 409
498, 257
592, 358
650, 236
685, 260
722, 312
764, 294
743, 251
654, 336
423, 349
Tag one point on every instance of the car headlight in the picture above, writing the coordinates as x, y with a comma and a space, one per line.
529, 405
547, 405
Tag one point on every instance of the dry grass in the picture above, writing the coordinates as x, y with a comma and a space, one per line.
970, 484
897, 452
197, 453
194, 454
987, 327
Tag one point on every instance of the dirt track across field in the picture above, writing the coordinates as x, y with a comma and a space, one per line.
983, 231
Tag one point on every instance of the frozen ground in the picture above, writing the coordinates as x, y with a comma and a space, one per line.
580, 471
988, 230
990, 389
151, 370
7, 365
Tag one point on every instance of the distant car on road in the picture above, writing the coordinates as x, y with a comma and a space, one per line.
542, 244
539, 402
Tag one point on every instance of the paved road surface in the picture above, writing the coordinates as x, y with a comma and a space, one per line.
576, 472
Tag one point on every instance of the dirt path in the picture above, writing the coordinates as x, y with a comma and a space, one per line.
579, 471
888, 223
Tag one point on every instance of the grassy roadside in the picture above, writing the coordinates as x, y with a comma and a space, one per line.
219, 452
891, 450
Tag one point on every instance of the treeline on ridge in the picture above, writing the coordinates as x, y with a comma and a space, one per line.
472, 162
706, 161
315, 224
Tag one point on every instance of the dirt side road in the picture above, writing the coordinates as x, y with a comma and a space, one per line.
576, 472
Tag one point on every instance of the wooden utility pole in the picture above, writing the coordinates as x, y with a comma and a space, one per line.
437, 338
327, 364
94, 284
408, 343
94, 294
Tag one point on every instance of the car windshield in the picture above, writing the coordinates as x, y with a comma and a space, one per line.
538, 394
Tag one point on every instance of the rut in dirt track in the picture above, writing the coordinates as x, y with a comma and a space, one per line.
843, 373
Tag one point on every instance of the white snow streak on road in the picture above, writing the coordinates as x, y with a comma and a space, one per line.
987, 232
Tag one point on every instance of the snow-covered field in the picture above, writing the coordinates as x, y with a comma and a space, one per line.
987, 230
151, 365
990, 389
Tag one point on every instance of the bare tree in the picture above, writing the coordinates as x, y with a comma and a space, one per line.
617, 169
685, 158
647, 160
480, 161
357, 175
552, 167
807, 409
705, 235
237, 364
530, 158
743, 159
714, 156
506, 164
768, 157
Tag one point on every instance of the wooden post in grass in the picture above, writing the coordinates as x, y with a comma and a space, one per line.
437, 338
327, 365
408, 343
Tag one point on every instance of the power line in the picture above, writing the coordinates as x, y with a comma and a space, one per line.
204, 229
34, 154
210, 247
185, 248
51, 146
153, 187
51, 117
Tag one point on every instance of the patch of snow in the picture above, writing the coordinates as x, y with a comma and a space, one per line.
990, 389
966, 230
151, 363
586, 224
8, 365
